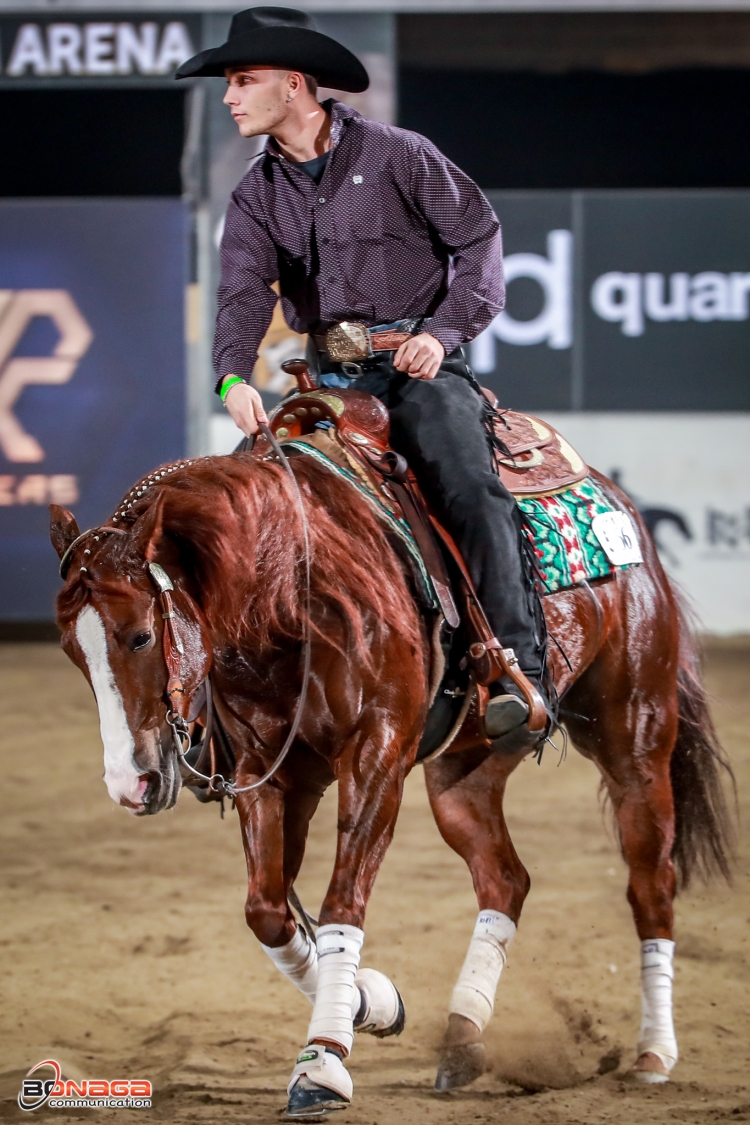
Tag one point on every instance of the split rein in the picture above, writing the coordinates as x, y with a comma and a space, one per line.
174, 651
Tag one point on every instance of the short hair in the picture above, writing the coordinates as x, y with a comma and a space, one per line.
311, 83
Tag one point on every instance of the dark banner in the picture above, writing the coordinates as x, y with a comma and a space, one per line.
129, 46
622, 301
92, 370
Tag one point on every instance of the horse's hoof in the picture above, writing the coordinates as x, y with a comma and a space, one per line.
308, 1101
459, 1066
649, 1068
381, 1011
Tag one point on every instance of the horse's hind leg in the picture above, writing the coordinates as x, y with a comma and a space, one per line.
466, 794
631, 737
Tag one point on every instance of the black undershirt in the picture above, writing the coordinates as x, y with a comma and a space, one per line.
315, 167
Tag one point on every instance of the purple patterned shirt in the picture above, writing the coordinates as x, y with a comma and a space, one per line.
392, 230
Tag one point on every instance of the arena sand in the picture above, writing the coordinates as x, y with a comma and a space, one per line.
125, 952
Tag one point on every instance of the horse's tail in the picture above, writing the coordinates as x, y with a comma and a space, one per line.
704, 827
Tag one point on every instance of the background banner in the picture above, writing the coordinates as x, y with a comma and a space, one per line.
92, 370
622, 300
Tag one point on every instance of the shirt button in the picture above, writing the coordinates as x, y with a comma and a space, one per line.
332, 280
322, 199
326, 241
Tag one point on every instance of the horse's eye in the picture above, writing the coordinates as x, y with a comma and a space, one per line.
141, 641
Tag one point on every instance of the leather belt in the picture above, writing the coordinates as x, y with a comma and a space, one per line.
351, 341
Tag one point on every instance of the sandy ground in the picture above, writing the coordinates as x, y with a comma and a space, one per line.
125, 952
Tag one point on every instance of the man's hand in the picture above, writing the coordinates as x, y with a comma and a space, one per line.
420, 357
245, 407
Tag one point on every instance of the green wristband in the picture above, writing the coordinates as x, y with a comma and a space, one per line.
227, 385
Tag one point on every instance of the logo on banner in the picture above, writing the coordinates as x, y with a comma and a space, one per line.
554, 324
89, 1093
17, 309
628, 299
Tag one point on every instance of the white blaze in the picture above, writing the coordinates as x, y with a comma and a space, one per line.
120, 772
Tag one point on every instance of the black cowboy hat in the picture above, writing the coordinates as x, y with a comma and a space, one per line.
285, 38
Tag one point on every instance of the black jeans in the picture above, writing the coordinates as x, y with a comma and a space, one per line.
437, 425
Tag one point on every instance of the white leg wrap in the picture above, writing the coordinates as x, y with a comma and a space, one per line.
657, 1027
474, 994
297, 960
339, 948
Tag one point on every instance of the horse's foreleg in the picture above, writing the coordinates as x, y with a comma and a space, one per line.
274, 828
466, 794
370, 787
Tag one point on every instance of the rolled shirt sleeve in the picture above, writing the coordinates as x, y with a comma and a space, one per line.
467, 226
246, 301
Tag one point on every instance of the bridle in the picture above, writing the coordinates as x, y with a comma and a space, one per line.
174, 652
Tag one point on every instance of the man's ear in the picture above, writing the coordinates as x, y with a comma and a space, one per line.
149, 530
63, 528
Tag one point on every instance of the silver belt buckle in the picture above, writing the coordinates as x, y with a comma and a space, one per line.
348, 342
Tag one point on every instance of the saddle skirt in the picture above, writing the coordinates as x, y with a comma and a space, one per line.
540, 459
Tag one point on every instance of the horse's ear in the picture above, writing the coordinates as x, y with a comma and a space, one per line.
63, 529
149, 529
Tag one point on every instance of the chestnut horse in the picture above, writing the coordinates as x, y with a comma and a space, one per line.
230, 534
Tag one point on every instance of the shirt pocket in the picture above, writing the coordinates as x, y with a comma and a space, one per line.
365, 213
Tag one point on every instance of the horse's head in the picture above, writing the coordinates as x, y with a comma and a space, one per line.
109, 615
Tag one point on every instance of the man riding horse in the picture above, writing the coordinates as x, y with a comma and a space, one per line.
365, 224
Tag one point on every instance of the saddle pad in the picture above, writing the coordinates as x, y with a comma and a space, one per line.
396, 524
560, 529
564, 543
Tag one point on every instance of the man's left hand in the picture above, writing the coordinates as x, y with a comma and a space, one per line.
420, 357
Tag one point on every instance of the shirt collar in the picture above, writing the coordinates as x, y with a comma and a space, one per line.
340, 114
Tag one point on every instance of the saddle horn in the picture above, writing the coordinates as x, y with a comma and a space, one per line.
301, 372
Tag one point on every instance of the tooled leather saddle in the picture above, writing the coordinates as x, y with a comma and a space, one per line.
352, 427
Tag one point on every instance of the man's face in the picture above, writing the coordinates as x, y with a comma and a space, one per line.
257, 98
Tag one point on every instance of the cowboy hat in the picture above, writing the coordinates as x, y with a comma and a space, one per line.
285, 38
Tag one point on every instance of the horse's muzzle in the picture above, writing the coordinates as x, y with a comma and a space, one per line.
163, 785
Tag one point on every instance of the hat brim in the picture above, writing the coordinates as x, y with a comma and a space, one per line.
289, 48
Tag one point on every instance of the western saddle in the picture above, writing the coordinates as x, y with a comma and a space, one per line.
352, 428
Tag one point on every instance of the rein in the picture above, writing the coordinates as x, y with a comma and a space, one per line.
174, 651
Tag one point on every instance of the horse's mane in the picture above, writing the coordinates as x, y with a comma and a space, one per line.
236, 525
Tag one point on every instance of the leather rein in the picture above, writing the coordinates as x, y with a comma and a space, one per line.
174, 651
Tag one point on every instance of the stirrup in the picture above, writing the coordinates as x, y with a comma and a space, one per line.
504, 714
